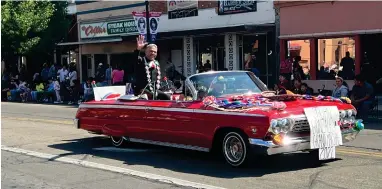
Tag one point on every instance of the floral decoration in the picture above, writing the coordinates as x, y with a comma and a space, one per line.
241, 103
326, 98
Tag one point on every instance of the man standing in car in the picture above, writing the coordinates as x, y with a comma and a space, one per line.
147, 71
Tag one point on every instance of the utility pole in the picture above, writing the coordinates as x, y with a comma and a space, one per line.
148, 22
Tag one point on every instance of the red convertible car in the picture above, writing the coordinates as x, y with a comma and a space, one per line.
228, 111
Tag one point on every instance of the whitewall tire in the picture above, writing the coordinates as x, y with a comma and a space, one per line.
235, 149
117, 141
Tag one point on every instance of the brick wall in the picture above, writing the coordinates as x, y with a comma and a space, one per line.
161, 6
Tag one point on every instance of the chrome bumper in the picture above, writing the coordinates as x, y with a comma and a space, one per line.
295, 144
76, 123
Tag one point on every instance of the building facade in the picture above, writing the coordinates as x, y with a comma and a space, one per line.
224, 33
322, 32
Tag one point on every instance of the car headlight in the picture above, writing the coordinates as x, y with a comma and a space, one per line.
281, 125
342, 114
349, 113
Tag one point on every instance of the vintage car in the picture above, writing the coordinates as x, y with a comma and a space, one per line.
228, 111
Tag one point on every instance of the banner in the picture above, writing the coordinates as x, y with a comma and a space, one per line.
325, 133
182, 8
234, 7
140, 23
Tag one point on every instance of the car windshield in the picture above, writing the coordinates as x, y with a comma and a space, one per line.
225, 83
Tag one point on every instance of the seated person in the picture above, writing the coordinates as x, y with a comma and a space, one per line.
297, 87
49, 93
341, 90
279, 89
39, 90
88, 90
217, 88
362, 96
306, 90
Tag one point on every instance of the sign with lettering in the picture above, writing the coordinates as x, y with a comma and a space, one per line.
106, 29
182, 8
234, 7
121, 27
325, 133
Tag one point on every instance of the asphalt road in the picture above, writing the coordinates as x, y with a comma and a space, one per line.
48, 129
23, 171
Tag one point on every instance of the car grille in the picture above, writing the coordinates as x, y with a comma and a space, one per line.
301, 125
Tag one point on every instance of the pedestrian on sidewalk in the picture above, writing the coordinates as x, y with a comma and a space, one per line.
57, 88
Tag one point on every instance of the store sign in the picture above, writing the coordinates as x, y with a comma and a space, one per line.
106, 29
234, 7
182, 9
121, 27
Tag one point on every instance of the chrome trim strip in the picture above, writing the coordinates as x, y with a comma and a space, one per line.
169, 109
167, 144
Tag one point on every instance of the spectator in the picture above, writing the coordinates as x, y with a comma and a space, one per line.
63, 74
88, 90
280, 89
45, 72
108, 77
52, 71
306, 90
298, 73
57, 89
362, 96
39, 90
72, 77
118, 75
24, 91
297, 87
15, 91
49, 92
284, 82
100, 74
341, 90
348, 66
286, 68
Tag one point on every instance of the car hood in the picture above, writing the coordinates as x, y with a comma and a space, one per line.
294, 107
297, 107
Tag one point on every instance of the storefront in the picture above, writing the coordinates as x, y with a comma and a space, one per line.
322, 33
101, 42
231, 36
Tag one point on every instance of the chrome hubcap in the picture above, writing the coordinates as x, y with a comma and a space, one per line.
233, 149
117, 140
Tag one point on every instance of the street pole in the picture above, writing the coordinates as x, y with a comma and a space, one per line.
148, 21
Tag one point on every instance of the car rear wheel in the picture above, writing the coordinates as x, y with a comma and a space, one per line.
117, 141
235, 149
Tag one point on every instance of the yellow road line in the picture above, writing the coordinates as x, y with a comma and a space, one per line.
63, 122
362, 153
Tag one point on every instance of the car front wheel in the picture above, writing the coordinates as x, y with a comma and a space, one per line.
117, 141
235, 149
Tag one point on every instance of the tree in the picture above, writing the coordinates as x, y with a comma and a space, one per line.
28, 26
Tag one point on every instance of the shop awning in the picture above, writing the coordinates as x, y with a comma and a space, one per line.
264, 28
90, 42
329, 34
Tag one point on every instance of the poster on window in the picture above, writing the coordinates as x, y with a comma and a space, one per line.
235, 7
140, 23
181, 9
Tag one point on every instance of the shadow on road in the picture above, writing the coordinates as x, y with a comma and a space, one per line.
187, 161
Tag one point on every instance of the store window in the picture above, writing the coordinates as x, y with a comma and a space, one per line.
300, 48
332, 59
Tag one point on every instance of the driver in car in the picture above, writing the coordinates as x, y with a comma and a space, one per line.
217, 89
